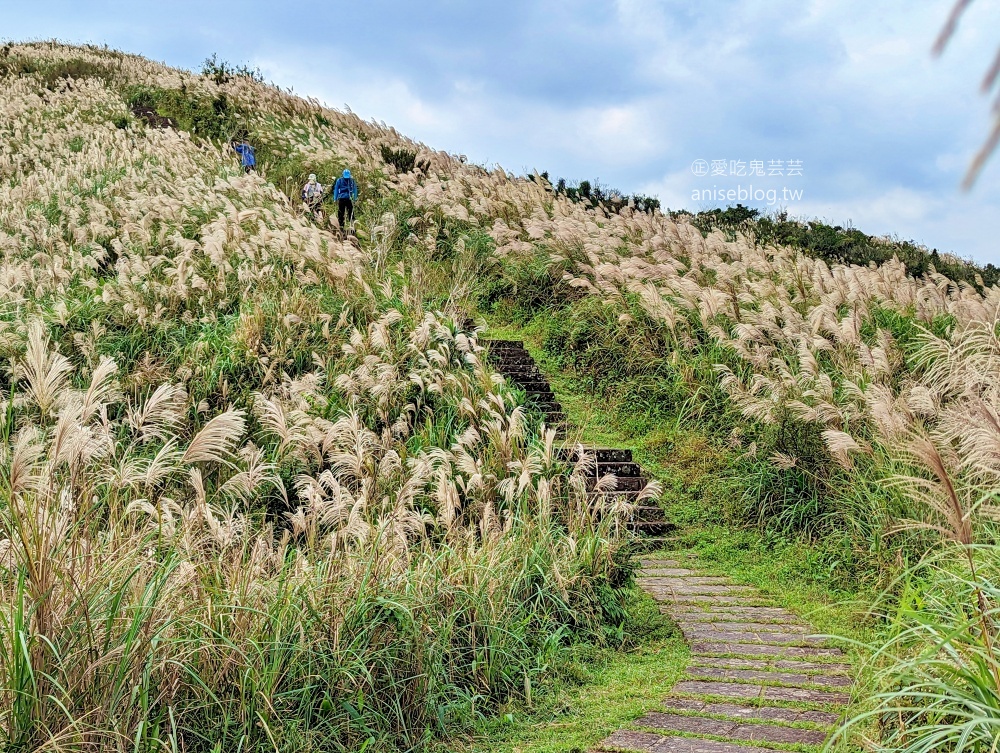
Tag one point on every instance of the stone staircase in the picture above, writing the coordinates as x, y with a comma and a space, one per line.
758, 675
515, 364
759, 679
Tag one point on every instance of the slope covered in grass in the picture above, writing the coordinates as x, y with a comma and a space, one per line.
260, 491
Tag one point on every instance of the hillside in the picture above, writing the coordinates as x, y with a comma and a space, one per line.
261, 489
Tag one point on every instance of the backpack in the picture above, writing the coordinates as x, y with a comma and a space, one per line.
344, 188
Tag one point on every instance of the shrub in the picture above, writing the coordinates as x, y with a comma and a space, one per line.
222, 72
215, 118
402, 159
51, 73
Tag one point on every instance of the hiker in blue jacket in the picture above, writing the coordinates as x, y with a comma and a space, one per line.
345, 191
247, 158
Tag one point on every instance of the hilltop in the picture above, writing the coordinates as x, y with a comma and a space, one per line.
261, 488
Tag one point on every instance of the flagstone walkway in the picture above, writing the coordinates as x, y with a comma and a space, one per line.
758, 676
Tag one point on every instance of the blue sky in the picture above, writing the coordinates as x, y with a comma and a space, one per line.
630, 92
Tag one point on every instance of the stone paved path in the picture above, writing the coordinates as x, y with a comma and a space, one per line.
621, 477
758, 676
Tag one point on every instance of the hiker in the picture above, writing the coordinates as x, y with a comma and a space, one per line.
312, 194
247, 158
345, 191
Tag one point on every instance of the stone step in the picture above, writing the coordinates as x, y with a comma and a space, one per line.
649, 742
545, 409
603, 454
511, 358
702, 599
772, 637
598, 501
665, 571
798, 679
648, 512
766, 713
541, 393
734, 730
717, 617
709, 648
751, 614
624, 483
747, 691
534, 387
506, 351
672, 587
657, 543
729, 625
795, 665
514, 360
618, 469
651, 527
519, 374
541, 403
501, 344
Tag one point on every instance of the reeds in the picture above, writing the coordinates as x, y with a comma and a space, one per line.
259, 491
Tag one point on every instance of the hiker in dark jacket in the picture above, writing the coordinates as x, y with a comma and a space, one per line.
247, 158
345, 191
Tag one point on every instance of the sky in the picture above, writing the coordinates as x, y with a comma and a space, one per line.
828, 109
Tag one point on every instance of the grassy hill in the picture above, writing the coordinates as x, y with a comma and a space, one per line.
261, 492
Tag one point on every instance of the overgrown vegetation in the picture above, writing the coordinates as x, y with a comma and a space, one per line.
214, 118
257, 486
838, 245
402, 159
266, 470
222, 72
51, 73
595, 195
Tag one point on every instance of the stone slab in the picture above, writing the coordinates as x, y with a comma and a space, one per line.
754, 627
696, 725
724, 618
745, 691
767, 713
769, 678
648, 742
667, 571
673, 586
701, 598
724, 689
750, 613
748, 636
762, 649
740, 663
802, 695
770, 733
692, 580
799, 664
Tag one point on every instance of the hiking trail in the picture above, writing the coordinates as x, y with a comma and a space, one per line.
758, 675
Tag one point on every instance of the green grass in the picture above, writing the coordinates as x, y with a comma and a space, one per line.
599, 692
699, 480
806, 577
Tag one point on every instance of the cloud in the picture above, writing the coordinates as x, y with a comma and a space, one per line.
631, 91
